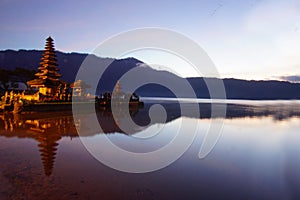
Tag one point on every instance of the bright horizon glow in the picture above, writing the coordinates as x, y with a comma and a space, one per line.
251, 39
166, 61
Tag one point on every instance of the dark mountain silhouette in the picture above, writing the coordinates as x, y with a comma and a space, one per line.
69, 64
254, 90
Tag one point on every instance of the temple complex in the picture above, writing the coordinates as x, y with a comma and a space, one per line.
48, 92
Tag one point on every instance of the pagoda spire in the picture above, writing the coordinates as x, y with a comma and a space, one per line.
48, 73
48, 77
48, 66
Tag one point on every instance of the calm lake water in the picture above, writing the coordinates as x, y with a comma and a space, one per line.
256, 157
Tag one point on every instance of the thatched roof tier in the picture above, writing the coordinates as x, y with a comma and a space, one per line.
52, 74
44, 82
49, 63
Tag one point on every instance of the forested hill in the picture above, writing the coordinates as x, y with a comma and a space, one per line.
21, 66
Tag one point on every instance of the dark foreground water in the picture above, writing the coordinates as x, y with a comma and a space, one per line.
256, 157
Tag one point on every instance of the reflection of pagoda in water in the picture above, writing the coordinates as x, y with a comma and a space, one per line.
46, 131
48, 147
50, 131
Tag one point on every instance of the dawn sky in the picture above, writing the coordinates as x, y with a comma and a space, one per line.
251, 39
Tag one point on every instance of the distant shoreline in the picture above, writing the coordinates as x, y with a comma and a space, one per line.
227, 101
69, 64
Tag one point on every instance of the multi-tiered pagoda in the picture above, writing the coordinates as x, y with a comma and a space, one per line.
48, 77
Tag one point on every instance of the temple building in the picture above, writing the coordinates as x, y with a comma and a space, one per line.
79, 88
48, 77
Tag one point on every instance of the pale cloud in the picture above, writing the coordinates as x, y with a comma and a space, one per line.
265, 44
295, 78
274, 25
278, 22
270, 15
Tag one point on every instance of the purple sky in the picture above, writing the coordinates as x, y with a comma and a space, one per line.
252, 39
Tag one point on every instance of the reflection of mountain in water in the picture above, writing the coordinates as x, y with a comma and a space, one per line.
48, 128
62, 123
276, 111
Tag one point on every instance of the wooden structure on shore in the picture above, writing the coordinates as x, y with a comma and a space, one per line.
118, 98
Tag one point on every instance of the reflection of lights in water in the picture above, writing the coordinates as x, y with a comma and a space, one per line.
50, 130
